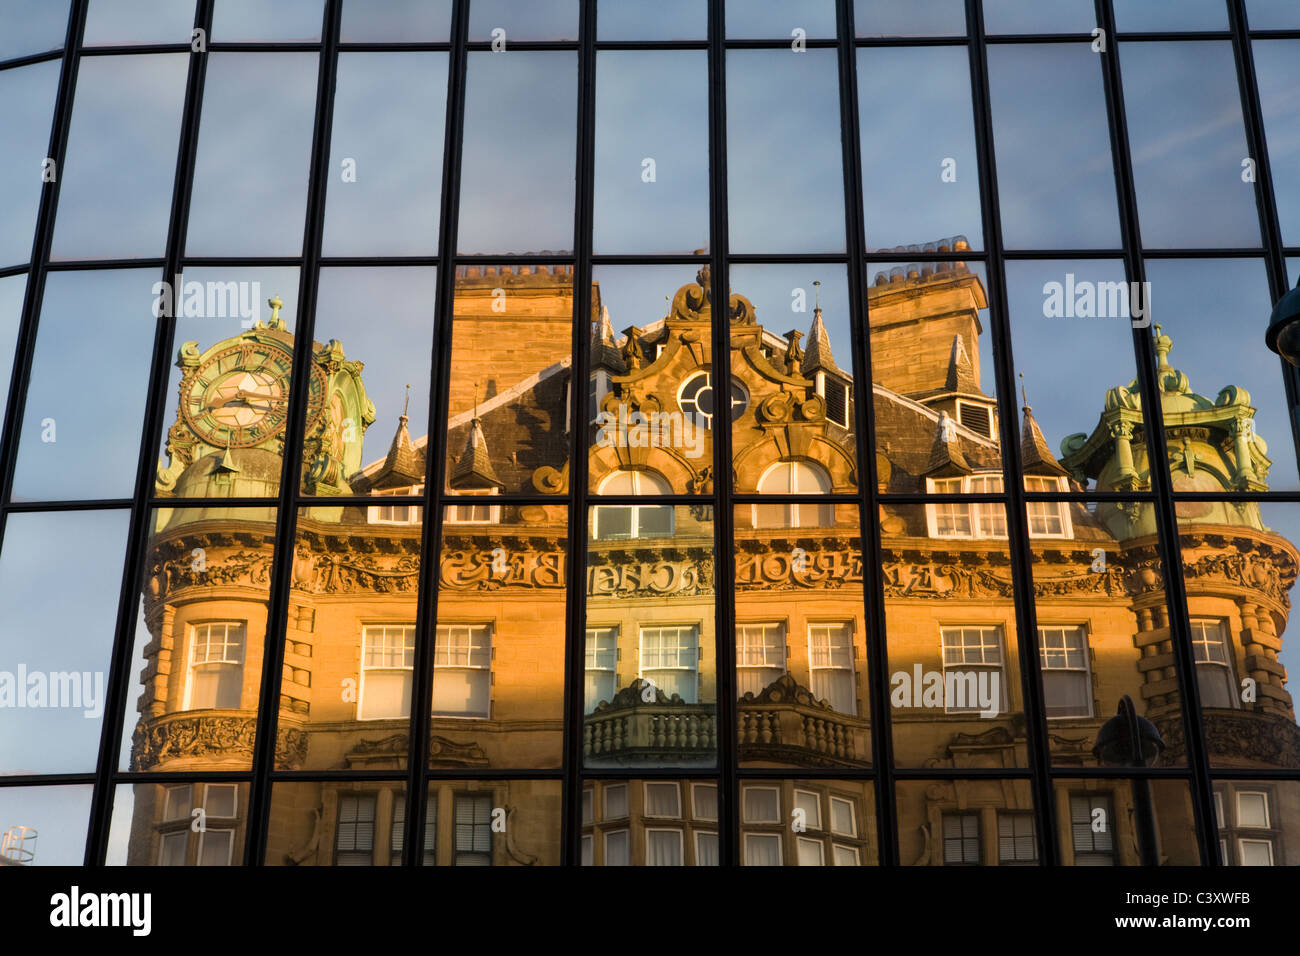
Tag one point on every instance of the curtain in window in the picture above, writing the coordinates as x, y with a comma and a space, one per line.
762, 850
663, 848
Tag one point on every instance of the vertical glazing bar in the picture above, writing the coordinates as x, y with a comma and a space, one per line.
259, 799
1017, 523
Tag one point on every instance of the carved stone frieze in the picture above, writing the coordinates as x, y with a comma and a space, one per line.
209, 735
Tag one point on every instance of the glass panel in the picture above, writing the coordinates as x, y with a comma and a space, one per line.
147, 831
536, 20
197, 665
54, 696
1225, 410
250, 177
1188, 144
932, 364
498, 659
89, 320
953, 661
115, 199
664, 713
668, 20
467, 823
1106, 823
639, 823
26, 104
509, 407
128, 22
966, 823
817, 823
652, 169
253, 20
801, 667
883, 18
785, 189
216, 443
777, 20
386, 165
921, 180
1103, 623
640, 378
44, 826
1258, 822
776, 449
1272, 14
32, 26
1239, 565
508, 205
1081, 309
1056, 183
396, 21
385, 398
12, 290
1039, 16
1165, 15
1278, 73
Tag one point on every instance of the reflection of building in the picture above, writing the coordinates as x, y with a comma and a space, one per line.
650, 681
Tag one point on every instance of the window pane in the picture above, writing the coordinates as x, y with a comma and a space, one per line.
12, 290
32, 26
251, 20
88, 320
1164, 15
250, 177
26, 104
783, 196
1188, 143
1056, 184
197, 664
776, 20
921, 180
386, 165
116, 193
507, 205
62, 682
1272, 15
44, 826
396, 21
668, 20
1277, 67
537, 20
1038, 16
1104, 824
882, 18
128, 22
651, 173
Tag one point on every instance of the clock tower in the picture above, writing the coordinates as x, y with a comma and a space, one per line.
229, 434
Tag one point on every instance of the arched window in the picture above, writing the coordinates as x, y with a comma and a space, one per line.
794, 478
610, 522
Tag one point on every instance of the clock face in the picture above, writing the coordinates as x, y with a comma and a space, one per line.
239, 397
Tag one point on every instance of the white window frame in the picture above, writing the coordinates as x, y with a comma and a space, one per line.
661, 487
1086, 669
626, 834
705, 833
408, 631
191, 664
755, 837
837, 848
441, 646
677, 797
1045, 509
744, 803
981, 517
848, 629
451, 515
802, 514
167, 802
233, 789
599, 630
386, 513
810, 823
764, 628
230, 845
681, 843
174, 836
1254, 841
694, 668
802, 842
1267, 813
853, 816
604, 802
976, 666
697, 788
1201, 644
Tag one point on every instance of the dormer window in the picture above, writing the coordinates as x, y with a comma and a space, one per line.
984, 519
836, 394
977, 418
396, 513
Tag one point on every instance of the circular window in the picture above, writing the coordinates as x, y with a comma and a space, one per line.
697, 399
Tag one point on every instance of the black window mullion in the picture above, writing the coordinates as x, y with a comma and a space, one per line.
723, 518
1017, 523
873, 592
1157, 454
140, 527
576, 593
426, 611
259, 798
1275, 259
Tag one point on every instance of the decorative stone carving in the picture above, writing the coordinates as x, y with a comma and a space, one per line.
209, 735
